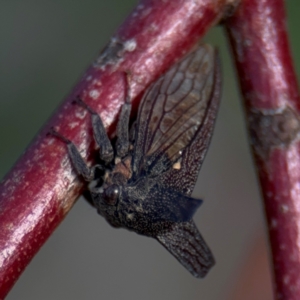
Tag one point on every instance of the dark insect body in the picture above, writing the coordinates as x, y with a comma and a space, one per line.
147, 177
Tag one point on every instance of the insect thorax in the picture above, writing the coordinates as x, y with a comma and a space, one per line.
124, 202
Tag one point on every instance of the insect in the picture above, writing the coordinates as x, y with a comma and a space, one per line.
147, 175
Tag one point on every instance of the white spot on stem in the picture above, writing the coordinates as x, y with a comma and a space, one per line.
284, 208
94, 94
130, 45
274, 223
73, 124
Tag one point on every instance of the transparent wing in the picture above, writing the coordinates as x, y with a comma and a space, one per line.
173, 110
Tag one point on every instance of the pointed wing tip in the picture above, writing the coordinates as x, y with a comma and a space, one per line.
186, 244
201, 273
195, 267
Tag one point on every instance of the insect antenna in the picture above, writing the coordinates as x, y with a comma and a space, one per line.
77, 160
79, 101
100, 135
53, 132
122, 143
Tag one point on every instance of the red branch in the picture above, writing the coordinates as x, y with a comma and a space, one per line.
259, 40
41, 188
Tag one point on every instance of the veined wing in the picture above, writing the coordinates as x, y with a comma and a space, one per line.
185, 242
173, 110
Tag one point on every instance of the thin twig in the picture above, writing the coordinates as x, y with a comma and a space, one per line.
260, 45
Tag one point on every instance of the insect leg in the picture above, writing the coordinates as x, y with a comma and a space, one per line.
132, 134
122, 143
100, 135
77, 160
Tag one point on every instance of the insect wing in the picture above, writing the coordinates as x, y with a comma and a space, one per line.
173, 110
184, 178
187, 245
174, 128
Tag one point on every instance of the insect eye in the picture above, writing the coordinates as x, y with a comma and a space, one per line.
111, 195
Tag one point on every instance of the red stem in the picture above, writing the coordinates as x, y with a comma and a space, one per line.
260, 45
41, 188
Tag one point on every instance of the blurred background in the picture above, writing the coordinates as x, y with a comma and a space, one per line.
45, 47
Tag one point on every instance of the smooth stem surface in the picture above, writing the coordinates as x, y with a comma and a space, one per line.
260, 46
